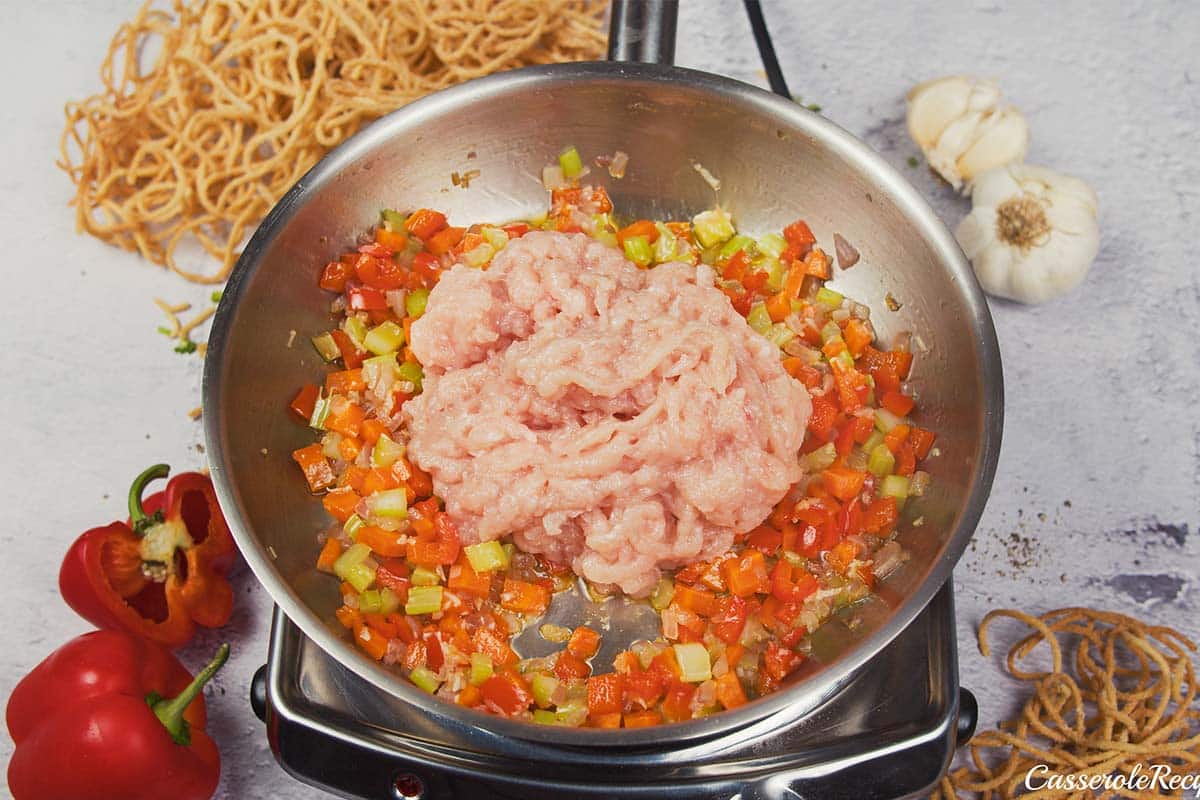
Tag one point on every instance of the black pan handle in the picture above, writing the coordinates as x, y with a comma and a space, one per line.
643, 31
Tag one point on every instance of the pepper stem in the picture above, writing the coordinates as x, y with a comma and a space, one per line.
170, 710
138, 517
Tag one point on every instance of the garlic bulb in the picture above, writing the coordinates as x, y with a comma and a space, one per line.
961, 128
1031, 234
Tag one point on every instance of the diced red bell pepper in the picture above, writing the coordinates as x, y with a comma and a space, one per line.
746, 574
334, 276
524, 597
800, 236
494, 646
779, 662
898, 403
504, 693
844, 483
677, 705
584, 643
365, 298
569, 667
425, 222
922, 441
880, 516
605, 693
730, 619
380, 272
791, 585
824, 415
643, 689
852, 387
305, 401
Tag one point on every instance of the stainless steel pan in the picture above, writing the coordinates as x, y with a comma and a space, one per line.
776, 161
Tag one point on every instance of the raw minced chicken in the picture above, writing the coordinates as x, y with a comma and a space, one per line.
615, 419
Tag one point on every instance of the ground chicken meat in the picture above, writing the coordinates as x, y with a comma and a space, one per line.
615, 419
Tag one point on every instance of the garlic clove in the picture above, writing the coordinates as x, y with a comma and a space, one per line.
1003, 139
950, 145
994, 187
935, 104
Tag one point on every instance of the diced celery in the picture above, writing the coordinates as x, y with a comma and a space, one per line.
542, 686
496, 237
830, 331
320, 412
379, 370
775, 272
666, 245
739, 242
389, 503
510, 550
712, 228
329, 445
356, 329
424, 576
425, 679
416, 300
605, 237
772, 245
370, 602
411, 371
360, 576
543, 717
389, 601
386, 451
384, 339
779, 334
758, 318
423, 600
354, 556
325, 346
829, 298
638, 250
895, 486
873, 441
797, 305
694, 663
392, 220
819, 459
481, 668
710, 255
570, 163
478, 256
885, 420
845, 359
663, 593
881, 461
353, 525
486, 556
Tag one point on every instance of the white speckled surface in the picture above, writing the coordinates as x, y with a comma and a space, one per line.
1097, 498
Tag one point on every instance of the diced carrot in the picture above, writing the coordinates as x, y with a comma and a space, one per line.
898, 403
425, 222
817, 264
643, 227
463, 578
677, 706
316, 468
384, 542
524, 597
568, 667
642, 719
350, 618
857, 336
420, 481
469, 696
779, 306
349, 447
699, 601
444, 240
494, 647
833, 348
730, 693
373, 644
880, 516
746, 574
584, 643
434, 552
305, 401
605, 693
334, 276
340, 503
922, 441
345, 416
843, 483
371, 429
394, 241
381, 624
852, 386
612, 720
840, 556
345, 381
377, 479
896, 437
330, 552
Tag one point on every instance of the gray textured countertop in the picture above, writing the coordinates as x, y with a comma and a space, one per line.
1097, 497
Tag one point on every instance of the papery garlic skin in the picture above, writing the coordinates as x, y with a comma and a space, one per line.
1032, 233
962, 129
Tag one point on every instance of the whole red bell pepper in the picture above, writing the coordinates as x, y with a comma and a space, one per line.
160, 573
109, 716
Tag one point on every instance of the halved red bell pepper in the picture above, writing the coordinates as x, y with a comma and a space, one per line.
160, 573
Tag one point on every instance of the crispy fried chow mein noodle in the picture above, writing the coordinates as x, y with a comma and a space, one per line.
1119, 693
234, 100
